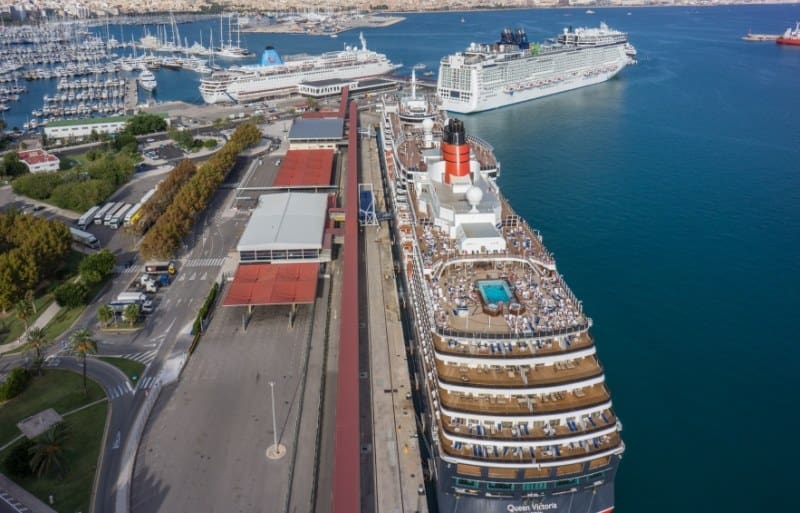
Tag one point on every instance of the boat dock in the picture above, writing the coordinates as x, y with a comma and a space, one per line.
131, 94
397, 467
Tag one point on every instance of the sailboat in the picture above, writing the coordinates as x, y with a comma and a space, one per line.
230, 51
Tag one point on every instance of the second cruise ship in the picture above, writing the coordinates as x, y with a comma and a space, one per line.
274, 75
489, 76
515, 410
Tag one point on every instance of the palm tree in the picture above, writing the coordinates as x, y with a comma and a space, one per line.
131, 313
31, 298
47, 454
105, 314
24, 311
37, 340
82, 344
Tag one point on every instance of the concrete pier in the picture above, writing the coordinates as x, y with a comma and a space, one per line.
398, 478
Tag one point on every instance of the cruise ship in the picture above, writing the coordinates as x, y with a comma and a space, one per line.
274, 75
489, 76
513, 402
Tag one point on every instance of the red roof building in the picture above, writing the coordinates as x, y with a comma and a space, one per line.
305, 167
39, 161
273, 284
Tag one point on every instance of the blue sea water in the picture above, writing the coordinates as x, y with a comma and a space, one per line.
670, 196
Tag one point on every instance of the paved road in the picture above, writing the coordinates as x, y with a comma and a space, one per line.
120, 394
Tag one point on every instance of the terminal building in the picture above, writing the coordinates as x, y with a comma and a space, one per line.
317, 133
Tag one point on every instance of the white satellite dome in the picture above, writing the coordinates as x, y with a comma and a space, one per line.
474, 197
427, 124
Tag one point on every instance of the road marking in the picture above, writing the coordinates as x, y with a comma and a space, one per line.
193, 276
117, 440
181, 278
205, 275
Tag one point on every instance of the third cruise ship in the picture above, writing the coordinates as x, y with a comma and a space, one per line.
489, 76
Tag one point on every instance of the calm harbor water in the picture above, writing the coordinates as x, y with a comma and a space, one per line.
669, 196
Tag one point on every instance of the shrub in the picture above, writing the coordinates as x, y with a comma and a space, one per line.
18, 459
210, 143
37, 185
15, 384
71, 294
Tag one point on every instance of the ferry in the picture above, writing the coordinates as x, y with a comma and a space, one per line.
514, 406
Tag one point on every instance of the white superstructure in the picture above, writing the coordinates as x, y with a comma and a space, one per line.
489, 76
147, 80
273, 74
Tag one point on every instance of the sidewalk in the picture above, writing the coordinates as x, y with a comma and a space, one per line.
20, 499
40, 322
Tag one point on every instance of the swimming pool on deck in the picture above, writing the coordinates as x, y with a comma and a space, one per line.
494, 292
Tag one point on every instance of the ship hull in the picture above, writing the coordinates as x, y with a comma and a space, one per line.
788, 41
260, 87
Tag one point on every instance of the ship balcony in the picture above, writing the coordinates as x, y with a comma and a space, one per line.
553, 429
522, 376
518, 349
520, 405
490, 451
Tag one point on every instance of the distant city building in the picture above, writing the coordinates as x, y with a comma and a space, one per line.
39, 161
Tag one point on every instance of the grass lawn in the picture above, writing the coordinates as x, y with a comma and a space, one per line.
11, 328
129, 367
73, 492
61, 322
58, 389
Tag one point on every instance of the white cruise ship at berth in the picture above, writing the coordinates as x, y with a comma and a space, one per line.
515, 412
489, 76
274, 75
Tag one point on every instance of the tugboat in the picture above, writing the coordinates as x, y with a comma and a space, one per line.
790, 37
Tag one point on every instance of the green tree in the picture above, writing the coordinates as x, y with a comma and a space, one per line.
82, 344
71, 294
18, 459
105, 314
145, 124
48, 452
13, 165
36, 185
30, 297
37, 340
131, 314
96, 268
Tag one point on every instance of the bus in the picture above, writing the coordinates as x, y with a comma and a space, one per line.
101, 214
160, 267
119, 216
132, 212
87, 218
85, 238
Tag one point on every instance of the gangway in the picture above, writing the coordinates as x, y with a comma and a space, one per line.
366, 205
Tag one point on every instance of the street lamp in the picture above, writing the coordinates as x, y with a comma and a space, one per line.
274, 424
274, 451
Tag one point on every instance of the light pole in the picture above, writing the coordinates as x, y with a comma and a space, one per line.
274, 424
274, 451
